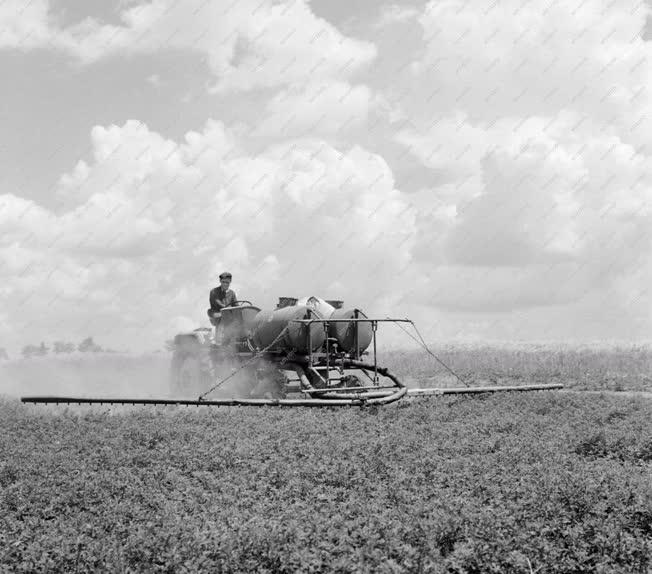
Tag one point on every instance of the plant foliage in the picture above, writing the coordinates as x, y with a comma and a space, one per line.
553, 483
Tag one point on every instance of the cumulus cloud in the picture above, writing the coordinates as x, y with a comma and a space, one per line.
248, 44
537, 60
24, 24
532, 126
315, 109
482, 165
146, 226
286, 43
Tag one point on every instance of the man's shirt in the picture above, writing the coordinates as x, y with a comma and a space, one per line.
219, 299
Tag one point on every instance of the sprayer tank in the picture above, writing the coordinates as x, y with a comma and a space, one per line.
268, 327
350, 335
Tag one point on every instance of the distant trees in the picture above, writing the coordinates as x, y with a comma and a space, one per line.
34, 350
63, 347
28, 351
89, 346
59, 347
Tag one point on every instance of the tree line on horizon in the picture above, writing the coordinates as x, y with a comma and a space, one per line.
66, 347
59, 347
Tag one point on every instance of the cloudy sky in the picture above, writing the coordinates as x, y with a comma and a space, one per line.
482, 167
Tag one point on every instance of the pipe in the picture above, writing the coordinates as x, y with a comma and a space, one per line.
346, 401
374, 394
475, 390
335, 398
361, 401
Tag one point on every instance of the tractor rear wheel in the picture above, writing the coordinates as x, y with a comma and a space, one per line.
189, 374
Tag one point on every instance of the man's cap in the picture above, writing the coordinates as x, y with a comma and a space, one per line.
225, 275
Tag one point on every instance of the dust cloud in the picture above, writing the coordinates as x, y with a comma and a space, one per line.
87, 375
116, 375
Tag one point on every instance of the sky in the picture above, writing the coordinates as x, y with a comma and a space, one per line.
480, 167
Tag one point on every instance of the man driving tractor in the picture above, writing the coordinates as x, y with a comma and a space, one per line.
220, 297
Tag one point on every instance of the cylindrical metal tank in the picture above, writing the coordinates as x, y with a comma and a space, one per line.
268, 325
345, 333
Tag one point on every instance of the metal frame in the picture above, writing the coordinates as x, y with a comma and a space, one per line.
357, 353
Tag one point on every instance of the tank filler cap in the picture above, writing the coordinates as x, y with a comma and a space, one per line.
318, 304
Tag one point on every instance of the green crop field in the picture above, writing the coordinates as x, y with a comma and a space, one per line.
542, 482
606, 367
